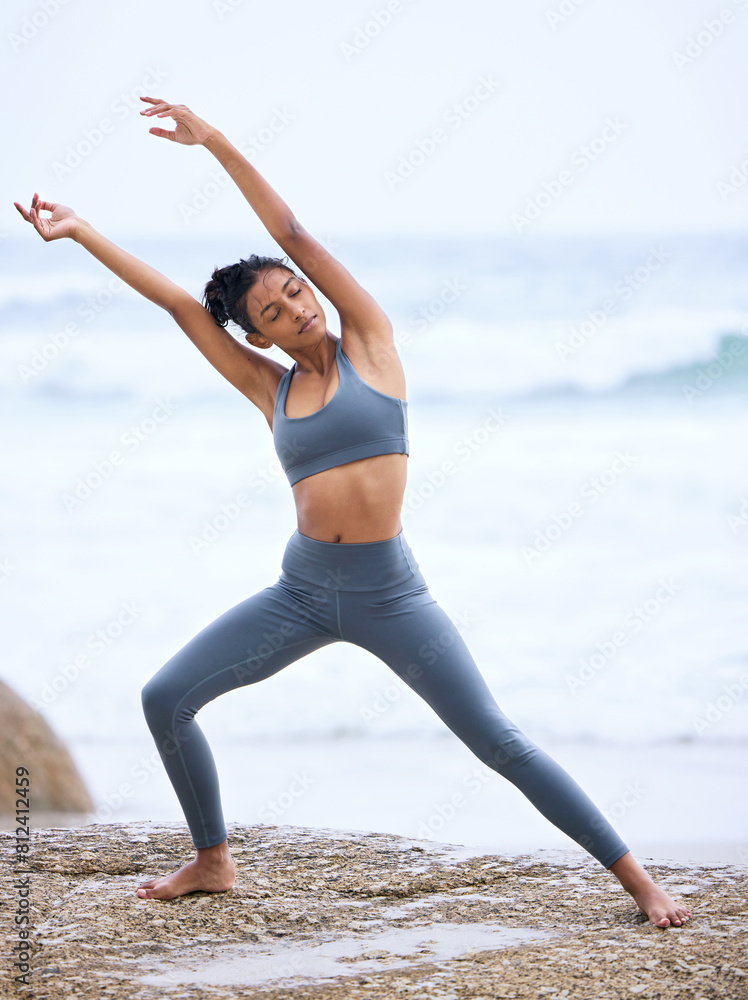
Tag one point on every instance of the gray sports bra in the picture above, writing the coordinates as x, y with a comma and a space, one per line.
358, 422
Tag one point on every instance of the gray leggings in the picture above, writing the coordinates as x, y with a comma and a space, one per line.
373, 595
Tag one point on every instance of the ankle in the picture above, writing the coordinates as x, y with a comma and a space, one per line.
634, 886
631, 875
219, 854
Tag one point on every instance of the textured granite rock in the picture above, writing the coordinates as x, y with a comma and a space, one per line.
27, 740
325, 913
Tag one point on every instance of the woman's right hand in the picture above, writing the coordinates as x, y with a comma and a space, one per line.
62, 222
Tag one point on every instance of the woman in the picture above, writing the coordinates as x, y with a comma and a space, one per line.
339, 423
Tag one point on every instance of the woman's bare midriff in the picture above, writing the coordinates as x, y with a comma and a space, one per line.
356, 502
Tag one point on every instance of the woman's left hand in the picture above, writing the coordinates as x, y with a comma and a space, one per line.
190, 130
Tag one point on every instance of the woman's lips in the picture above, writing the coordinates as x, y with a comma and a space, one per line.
308, 325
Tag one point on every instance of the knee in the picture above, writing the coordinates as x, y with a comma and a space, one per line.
511, 751
504, 746
155, 700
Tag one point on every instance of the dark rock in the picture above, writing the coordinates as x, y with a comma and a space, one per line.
26, 740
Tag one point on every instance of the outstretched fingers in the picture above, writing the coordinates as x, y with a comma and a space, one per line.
163, 133
23, 211
159, 104
160, 107
32, 214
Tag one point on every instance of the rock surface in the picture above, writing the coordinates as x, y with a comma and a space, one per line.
327, 913
26, 740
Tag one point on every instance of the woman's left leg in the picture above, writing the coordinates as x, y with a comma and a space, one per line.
409, 631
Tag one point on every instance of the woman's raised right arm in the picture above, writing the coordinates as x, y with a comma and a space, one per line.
251, 373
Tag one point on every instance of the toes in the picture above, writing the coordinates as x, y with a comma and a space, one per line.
147, 889
680, 915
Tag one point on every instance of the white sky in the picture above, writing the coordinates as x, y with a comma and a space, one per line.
351, 119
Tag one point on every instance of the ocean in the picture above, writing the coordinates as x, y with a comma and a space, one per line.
577, 500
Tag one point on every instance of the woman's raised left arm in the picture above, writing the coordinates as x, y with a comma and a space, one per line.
356, 307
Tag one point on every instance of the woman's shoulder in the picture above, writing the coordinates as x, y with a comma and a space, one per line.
375, 360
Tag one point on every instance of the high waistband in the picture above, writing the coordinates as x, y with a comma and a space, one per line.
349, 565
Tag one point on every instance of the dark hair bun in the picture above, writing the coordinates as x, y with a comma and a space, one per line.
224, 293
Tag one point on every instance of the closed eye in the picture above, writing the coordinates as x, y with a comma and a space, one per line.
290, 296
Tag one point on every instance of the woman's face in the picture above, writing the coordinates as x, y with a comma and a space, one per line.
284, 310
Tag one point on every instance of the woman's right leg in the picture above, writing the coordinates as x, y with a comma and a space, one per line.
252, 641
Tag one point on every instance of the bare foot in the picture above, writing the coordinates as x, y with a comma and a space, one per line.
211, 871
661, 909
